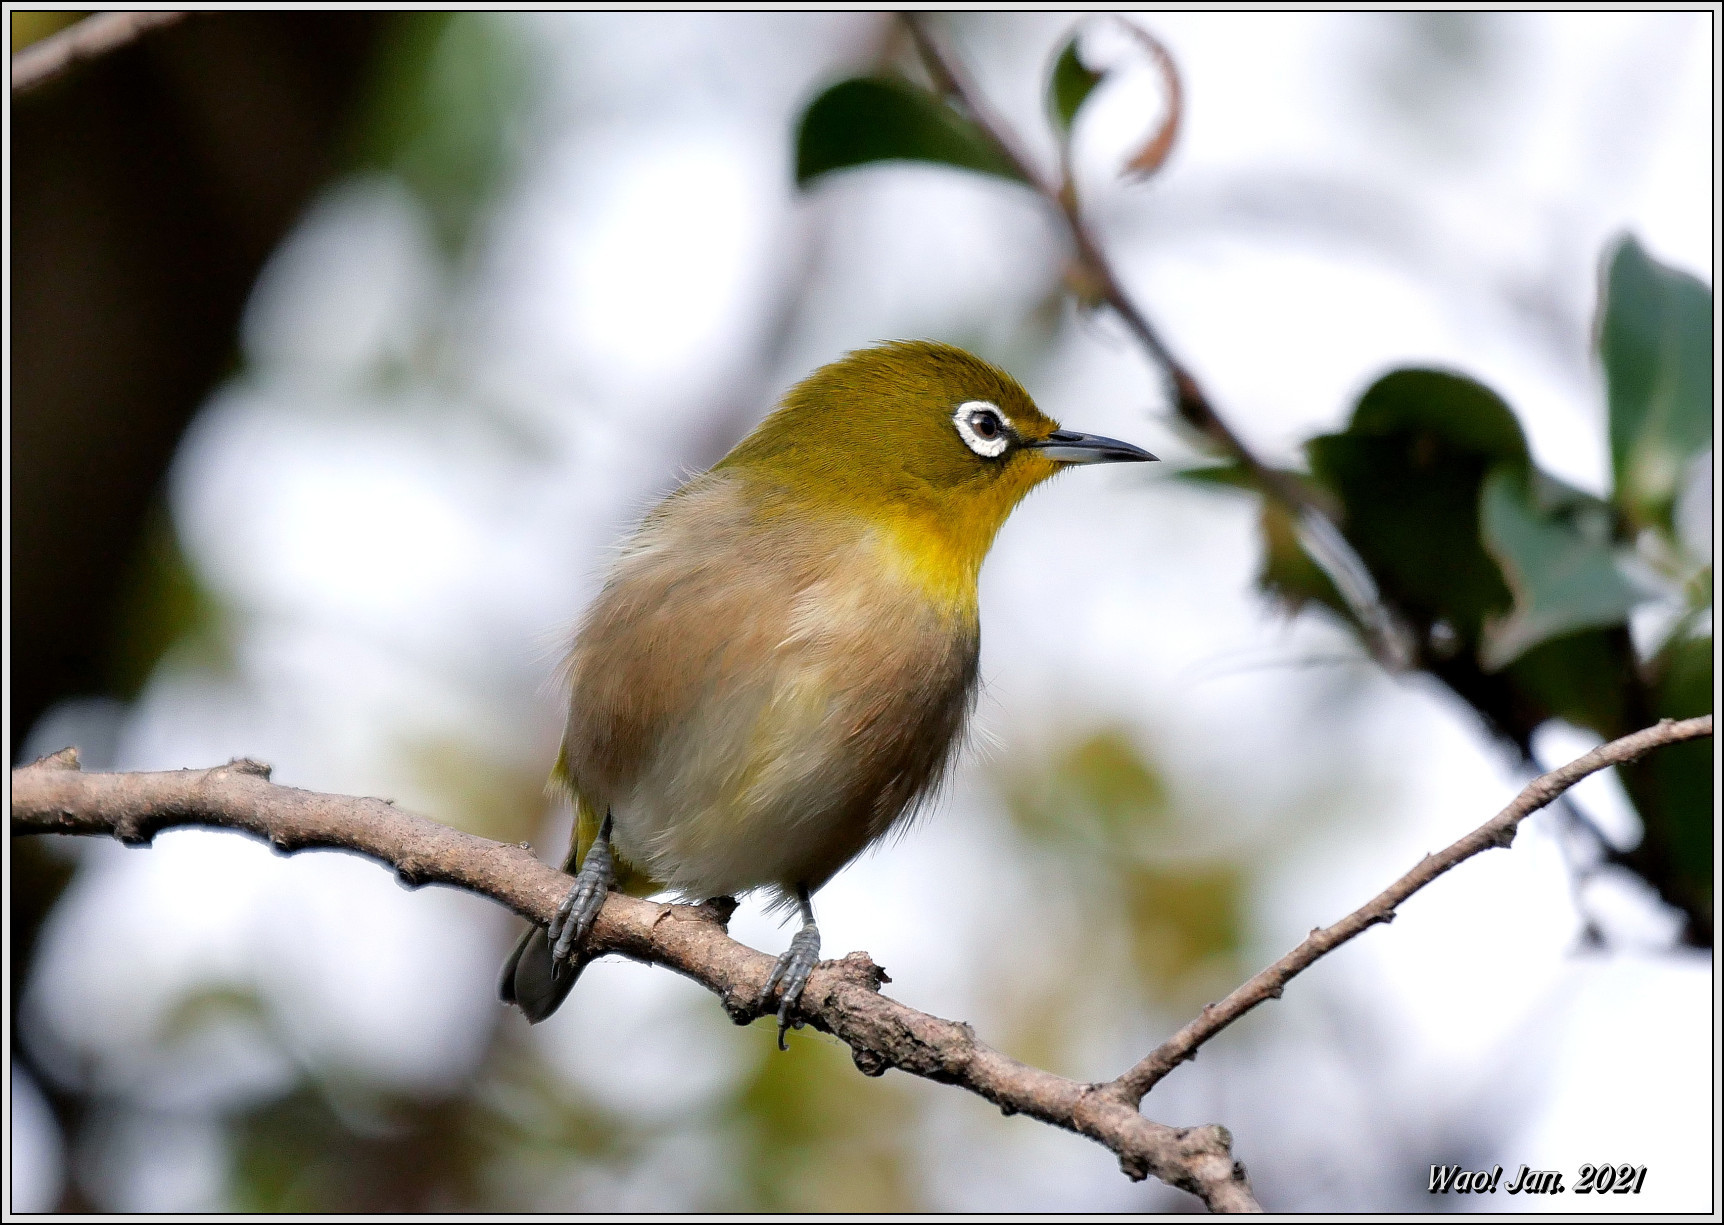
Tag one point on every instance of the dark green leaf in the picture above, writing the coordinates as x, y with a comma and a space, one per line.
1564, 577
1460, 412
1682, 773
1672, 788
1655, 340
1070, 83
1407, 472
880, 119
1584, 678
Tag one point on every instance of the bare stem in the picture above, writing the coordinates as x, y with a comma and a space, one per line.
89, 39
1498, 831
1385, 631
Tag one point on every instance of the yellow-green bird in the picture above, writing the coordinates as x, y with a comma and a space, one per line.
780, 665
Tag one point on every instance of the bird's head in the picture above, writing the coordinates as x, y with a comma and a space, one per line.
921, 439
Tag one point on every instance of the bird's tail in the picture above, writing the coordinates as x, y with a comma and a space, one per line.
532, 981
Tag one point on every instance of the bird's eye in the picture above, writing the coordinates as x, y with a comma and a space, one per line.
983, 427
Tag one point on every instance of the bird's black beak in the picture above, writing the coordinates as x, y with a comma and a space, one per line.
1071, 447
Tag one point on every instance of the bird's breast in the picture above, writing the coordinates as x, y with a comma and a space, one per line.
755, 701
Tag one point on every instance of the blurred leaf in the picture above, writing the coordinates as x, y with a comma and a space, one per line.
507, 1139
39, 875
822, 1137
1462, 412
1698, 590
449, 93
1100, 793
1289, 573
1684, 772
877, 119
1583, 677
1408, 472
1226, 476
478, 790
537, 1126
1107, 809
1070, 83
1673, 788
1153, 153
1185, 918
163, 606
1655, 340
1563, 578
211, 1005
302, 1153
33, 27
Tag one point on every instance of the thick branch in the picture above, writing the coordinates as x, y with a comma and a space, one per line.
1498, 831
842, 998
89, 39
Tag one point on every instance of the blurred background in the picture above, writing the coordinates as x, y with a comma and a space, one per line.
344, 345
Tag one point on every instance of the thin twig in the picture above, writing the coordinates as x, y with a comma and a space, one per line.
1390, 642
842, 997
89, 39
1498, 831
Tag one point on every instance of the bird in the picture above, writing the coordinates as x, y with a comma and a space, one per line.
779, 667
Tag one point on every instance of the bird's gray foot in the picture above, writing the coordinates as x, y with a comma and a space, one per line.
790, 973
585, 898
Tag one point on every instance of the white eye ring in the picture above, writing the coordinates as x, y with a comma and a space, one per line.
988, 448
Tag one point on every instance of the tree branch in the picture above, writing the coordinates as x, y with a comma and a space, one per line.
1385, 631
842, 998
1498, 831
89, 39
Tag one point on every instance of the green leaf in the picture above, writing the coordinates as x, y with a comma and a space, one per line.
1655, 341
1407, 472
1564, 576
443, 113
1672, 788
1584, 677
1682, 773
1070, 83
1460, 412
883, 119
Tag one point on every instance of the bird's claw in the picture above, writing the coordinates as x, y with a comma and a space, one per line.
790, 975
581, 904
